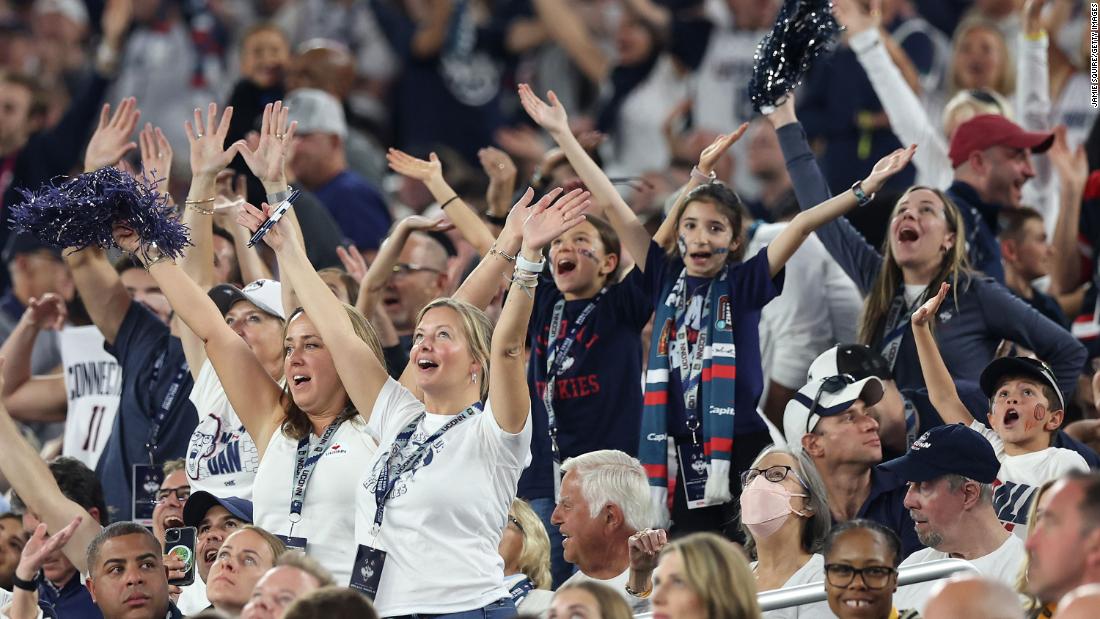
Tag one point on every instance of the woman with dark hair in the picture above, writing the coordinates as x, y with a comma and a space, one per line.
861, 571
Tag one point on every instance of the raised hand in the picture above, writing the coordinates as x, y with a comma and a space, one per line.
551, 117
710, 156
644, 547
523, 142
207, 140
888, 166
156, 156
513, 225
280, 236
117, 16
48, 312
1072, 165
112, 138
406, 165
854, 18
1033, 13
353, 262
126, 239
39, 547
546, 221
925, 313
267, 152
501, 171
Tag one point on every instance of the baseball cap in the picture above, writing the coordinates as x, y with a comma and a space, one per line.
1019, 366
265, 294
200, 502
833, 394
947, 450
987, 130
24, 243
316, 112
856, 359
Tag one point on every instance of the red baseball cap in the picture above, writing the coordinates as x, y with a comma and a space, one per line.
988, 130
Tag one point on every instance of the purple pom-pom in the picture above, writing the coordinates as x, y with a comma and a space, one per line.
83, 211
804, 30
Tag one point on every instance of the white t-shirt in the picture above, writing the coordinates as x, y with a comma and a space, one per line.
192, 600
540, 604
93, 382
1020, 476
812, 571
222, 459
328, 517
444, 519
638, 143
1002, 565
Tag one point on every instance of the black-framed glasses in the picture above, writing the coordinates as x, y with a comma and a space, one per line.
832, 384
512, 519
874, 577
404, 268
182, 494
774, 474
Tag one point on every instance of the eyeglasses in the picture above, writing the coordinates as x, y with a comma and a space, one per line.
774, 474
182, 494
512, 519
874, 577
832, 384
404, 268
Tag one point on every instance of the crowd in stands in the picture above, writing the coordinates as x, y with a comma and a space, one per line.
561, 321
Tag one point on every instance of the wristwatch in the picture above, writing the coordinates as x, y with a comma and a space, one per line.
862, 199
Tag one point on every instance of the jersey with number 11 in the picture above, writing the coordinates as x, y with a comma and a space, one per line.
93, 382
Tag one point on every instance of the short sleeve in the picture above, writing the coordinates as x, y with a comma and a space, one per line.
629, 298
511, 450
394, 408
656, 266
991, 436
752, 284
207, 386
139, 334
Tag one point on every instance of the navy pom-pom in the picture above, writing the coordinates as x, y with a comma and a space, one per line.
82, 212
804, 30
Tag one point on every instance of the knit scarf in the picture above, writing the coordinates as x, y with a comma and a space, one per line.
715, 399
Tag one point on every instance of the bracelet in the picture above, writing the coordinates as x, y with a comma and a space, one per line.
639, 594
494, 250
449, 200
146, 254
194, 206
26, 585
278, 196
496, 220
523, 264
698, 175
862, 199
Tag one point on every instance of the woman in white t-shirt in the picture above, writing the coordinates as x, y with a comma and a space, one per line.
447, 470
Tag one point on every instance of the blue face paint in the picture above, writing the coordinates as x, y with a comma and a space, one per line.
721, 250
682, 245
588, 253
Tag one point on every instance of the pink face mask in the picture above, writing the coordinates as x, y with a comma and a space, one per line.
765, 506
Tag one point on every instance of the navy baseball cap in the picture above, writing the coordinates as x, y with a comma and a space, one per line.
947, 450
25, 243
200, 502
998, 369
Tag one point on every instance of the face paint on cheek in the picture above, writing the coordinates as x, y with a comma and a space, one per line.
718, 251
588, 253
682, 245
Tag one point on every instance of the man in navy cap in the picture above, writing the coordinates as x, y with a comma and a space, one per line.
216, 518
950, 470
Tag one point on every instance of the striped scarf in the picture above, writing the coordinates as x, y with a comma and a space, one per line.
716, 391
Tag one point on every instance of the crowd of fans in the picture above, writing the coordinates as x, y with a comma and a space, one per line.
558, 325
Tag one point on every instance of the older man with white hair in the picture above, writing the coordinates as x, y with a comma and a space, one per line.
604, 501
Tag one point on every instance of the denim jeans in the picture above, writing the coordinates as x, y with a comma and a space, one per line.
560, 569
500, 609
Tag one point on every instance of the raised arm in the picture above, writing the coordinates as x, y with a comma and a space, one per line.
361, 371
32, 480
255, 396
806, 222
232, 192
1073, 171
553, 118
33, 398
570, 31
941, 387
430, 173
501, 170
508, 393
381, 270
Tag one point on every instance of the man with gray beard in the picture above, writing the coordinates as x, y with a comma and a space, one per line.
950, 470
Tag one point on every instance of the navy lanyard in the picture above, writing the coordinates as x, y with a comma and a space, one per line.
691, 358
557, 351
897, 323
520, 590
304, 464
391, 471
166, 404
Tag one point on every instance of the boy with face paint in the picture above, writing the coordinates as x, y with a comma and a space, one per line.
586, 360
1026, 410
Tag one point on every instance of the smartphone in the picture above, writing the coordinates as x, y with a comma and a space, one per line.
181, 543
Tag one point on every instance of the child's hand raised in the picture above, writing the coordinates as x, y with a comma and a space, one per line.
923, 315
551, 117
708, 159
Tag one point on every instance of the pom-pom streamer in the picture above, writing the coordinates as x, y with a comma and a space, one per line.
804, 30
83, 211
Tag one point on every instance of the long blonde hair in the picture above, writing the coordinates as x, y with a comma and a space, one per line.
718, 573
1005, 83
955, 268
534, 559
476, 328
296, 423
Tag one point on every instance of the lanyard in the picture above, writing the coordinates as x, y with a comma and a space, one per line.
166, 404
387, 478
520, 590
691, 358
557, 352
897, 323
304, 463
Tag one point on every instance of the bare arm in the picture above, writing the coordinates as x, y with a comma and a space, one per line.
496, 266
431, 32
805, 222
553, 118
941, 387
1073, 170
105, 298
567, 28
31, 398
34, 555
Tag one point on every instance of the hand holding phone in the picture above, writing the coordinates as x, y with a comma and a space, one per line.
179, 551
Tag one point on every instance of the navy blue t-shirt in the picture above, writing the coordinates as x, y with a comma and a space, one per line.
357, 207
597, 399
885, 505
751, 287
71, 600
154, 373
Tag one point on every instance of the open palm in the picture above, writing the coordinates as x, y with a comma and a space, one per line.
266, 153
547, 222
551, 117
888, 166
207, 139
924, 313
419, 169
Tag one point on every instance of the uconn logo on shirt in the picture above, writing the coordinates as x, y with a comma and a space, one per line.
1012, 502
217, 452
401, 486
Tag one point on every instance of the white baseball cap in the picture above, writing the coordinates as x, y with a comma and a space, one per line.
316, 112
265, 294
825, 397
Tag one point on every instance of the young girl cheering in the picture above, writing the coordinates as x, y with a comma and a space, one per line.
705, 329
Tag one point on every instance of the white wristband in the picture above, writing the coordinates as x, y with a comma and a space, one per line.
531, 267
